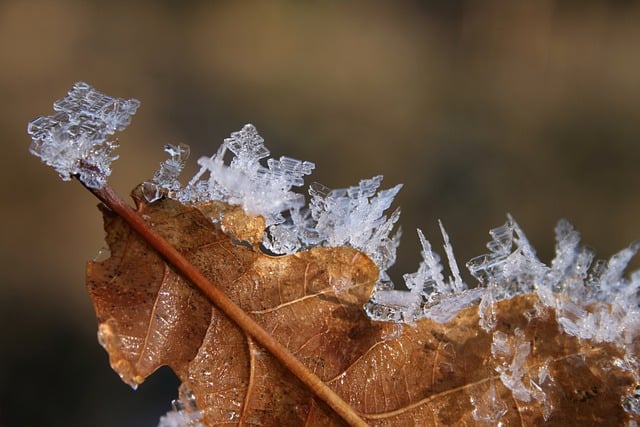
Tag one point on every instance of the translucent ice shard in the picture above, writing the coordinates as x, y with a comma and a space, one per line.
353, 216
235, 174
184, 412
245, 181
165, 181
74, 139
177, 418
512, 352
430, 294
488, 407
591, 300
511, 263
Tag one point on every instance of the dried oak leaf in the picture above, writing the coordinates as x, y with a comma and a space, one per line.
391, 374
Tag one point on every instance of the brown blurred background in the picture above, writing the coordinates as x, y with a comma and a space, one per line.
479, 107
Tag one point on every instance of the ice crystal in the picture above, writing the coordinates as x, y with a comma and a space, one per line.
245, 181
430, 294
165, 181
184, 412
488, 407
597, 303
177, 418
353, 216
74, 140
591, 300
513, 352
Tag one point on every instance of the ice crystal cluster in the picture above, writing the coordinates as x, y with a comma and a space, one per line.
74, 140
354, 216
183, 413
245, 181
594, 302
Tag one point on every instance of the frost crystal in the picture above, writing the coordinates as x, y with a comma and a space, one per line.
175, 418
430, 294
165, 180
488, 408
590, 301
245, 181
184, 412
597, 303
353, 216
74, 140
513, 354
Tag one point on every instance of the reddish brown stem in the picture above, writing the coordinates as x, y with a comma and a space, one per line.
227, 306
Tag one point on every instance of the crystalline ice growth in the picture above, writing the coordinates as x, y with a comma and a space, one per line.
513, 352
511, 264
356, 217
74, 139
510, 268
600, 303
353, 216
488, 407
184, 412
245, 181
165, 181
175, 418
430, 294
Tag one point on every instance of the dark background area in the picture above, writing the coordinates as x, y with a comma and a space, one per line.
479, 107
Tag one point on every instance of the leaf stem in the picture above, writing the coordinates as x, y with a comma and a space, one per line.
249, 326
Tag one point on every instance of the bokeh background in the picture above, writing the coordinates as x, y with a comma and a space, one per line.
479, 107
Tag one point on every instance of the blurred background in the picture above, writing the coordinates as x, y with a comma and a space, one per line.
479, 107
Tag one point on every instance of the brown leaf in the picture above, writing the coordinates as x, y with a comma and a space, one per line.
425, 374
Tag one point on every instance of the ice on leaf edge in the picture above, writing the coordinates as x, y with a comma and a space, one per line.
591, 300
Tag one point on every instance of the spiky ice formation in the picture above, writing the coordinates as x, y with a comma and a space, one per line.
430, 294
183, 413
74, 140
245, 181
353, 216
597, 303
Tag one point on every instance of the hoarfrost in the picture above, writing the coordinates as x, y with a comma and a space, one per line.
512, 352
591, 300
74, 139
184, 412
353, 216
245, 181
165, 181
488, 407
176, 418
429, 293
